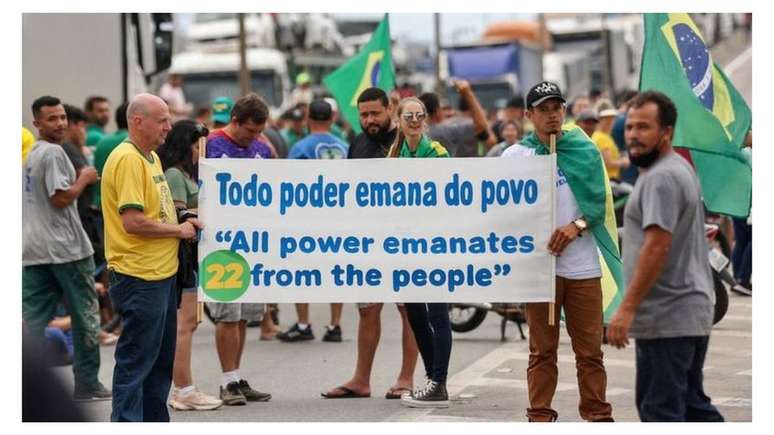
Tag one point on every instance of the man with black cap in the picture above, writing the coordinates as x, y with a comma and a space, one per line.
319, 144
580, 209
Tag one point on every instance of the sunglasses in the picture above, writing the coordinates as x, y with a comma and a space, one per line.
418, 116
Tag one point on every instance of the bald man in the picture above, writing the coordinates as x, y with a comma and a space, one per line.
143, 232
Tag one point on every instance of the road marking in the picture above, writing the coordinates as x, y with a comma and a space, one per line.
729, 317
521, 384
733, 402
721, 333
745, 373
570, 359
738, 61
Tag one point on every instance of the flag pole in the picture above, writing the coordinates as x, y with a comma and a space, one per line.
552, 150
200, 305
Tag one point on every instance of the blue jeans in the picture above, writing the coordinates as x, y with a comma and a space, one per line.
741, 257
145, 352
432, 330
670, 380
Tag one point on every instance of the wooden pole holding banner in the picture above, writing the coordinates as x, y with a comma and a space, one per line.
200, 305
552, 150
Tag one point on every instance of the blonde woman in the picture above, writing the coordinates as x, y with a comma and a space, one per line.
429, 321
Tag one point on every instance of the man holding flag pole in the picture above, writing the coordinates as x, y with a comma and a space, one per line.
588, 269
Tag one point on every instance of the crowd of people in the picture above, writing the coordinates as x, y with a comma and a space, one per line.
110, 224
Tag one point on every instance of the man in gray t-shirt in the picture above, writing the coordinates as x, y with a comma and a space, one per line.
56, 254
668, 304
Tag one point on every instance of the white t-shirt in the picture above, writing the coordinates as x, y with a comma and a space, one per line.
580, 259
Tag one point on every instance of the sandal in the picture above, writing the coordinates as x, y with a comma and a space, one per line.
348, 394
396, 393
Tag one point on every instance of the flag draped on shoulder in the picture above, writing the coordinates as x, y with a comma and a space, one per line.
712, 117
370, 67
582, 164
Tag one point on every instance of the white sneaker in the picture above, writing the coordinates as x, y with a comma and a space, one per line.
194, 401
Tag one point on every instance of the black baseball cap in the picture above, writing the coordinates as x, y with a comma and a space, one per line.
543, 91
320, 110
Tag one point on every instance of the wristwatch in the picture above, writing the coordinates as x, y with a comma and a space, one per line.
581, 225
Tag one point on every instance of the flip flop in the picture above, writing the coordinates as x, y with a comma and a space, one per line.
396, 393
348, 394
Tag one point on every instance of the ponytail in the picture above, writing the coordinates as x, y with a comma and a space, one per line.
396, 146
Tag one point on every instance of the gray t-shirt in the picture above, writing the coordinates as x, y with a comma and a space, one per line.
459, 138
680, 303
51, 235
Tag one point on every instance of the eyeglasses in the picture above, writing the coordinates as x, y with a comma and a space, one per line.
418, 116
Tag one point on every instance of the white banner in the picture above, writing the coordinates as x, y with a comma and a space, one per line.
376, 230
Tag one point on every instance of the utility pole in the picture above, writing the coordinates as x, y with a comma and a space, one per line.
542, 46
439, 88
607, 65
244, 73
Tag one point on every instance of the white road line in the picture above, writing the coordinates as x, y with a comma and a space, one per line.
721, 333
730, 317
745, 373
521, 384
733, 402
565, 358
738, 61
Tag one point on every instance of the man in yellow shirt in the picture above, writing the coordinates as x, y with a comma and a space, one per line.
614, 162
142, 237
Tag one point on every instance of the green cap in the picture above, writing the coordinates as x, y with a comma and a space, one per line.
221, 110
303, 78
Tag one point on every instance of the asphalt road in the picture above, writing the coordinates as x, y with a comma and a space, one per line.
487, 378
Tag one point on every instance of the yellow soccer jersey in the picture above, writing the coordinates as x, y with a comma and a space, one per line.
131, 180
605, 142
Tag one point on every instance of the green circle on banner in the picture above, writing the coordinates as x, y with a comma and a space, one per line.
225, 275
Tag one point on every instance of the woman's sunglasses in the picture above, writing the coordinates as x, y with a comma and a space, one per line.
418, 116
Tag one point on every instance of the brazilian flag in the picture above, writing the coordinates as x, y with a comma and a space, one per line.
582, 164
712, 117
371, 67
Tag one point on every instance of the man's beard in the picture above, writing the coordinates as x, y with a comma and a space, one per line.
381, 133
646, 160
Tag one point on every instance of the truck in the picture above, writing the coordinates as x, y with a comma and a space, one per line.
495, 70
74, 56
211, 73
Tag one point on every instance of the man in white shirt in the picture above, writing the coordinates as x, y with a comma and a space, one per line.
578, 285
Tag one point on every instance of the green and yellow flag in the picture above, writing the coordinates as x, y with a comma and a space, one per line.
582, 164
371, 67
712, 117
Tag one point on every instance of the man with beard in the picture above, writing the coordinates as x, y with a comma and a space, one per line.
668, 307
373, 143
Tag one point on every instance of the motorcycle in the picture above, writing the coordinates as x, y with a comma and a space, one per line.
467, 317
721, 275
